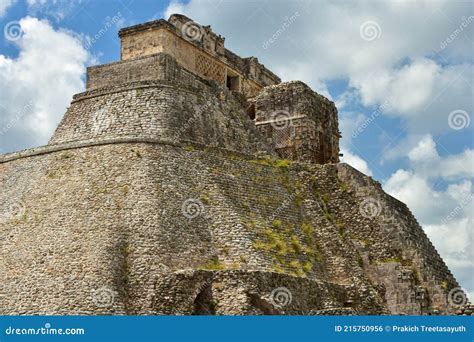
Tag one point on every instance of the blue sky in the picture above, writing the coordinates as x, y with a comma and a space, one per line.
400, 73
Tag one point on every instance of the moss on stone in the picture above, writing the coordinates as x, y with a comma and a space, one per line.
282, 163
260, 245
262, 161
341, 228
308, 231
214, 265
124, 189
250, 222
296, 244
278, 269
276, 224
325, 198
233, 156
365, 242
328, 216
392, 259
205, 199
307, 267
344, 187
282, 243
298, 199
416, 276
295, 264
270, 161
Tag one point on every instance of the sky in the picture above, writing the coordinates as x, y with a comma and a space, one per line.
400, 72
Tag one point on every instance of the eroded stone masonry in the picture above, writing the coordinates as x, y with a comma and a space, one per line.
189, 180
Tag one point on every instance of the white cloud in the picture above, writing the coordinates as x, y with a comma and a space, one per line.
453, 236
356, 162
421, 92
404, 66
415, 186
57, 9
454, 242
425, 159
424, 151
446, 215
173, 7
429, 206
4, 5
408, 89
37, 86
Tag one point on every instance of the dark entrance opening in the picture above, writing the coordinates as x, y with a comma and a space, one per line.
233, 81
251, 111
204, 303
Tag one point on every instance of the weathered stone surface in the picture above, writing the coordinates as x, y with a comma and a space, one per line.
199, 50
158, 195
161, 110
111, 217
299, 123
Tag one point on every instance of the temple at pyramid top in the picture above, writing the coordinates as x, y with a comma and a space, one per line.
264, 115
199, 50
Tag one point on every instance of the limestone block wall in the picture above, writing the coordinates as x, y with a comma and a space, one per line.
197, 49
396, 250
161, 110
301, 124
138, 43
160, 66
183, 229
124, 230
205, 39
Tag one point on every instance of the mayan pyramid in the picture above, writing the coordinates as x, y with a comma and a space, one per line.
189, 180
